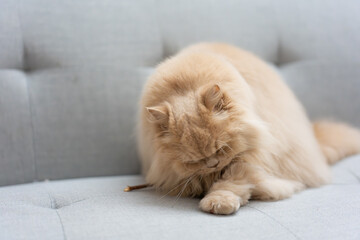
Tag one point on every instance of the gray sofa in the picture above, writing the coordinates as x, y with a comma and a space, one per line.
71, 74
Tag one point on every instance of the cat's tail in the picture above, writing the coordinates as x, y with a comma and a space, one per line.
337, 140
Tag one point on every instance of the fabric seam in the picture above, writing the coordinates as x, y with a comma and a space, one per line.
54, 207
28, 96
269, 216
61, 223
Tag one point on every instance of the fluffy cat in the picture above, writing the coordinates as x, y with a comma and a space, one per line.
216, 121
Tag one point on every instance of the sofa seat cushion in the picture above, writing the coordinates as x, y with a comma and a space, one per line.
97, 208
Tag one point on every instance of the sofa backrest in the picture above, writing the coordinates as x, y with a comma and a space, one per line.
71, 71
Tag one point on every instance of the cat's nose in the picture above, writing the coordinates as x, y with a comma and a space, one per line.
212, 162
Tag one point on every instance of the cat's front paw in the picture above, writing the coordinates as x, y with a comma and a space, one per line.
220, 202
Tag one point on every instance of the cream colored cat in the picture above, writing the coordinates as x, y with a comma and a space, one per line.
218, 122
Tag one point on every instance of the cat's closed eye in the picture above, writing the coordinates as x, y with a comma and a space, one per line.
220, 151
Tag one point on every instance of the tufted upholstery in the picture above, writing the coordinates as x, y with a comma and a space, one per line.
71, 73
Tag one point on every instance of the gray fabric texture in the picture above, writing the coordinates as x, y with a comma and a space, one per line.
250, 26
16, 139
11, 44
327, 89
74, 70
279, 31
73, 33
97, 208
320, 30
84, 121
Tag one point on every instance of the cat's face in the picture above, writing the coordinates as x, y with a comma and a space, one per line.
200, 132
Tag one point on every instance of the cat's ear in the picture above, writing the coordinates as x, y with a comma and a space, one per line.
213, 98
159, 114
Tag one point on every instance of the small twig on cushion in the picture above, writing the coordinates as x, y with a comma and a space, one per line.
130, 188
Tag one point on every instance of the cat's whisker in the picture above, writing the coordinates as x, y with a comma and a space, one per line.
180, 184
201, 177
183, 189
181, 192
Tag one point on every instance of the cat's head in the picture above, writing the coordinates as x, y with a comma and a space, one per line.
198, 133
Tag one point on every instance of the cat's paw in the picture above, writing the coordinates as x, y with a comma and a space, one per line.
220, 202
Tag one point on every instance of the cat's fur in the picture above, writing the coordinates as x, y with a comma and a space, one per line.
217, 121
